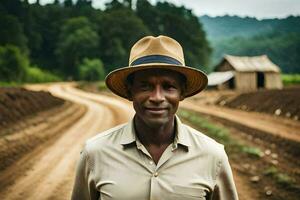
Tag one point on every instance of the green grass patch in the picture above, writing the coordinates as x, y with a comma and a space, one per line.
290, 79
280, 178
98, 85
37, 75
271, 171
220, 134
253, 151
10, 84
102, 86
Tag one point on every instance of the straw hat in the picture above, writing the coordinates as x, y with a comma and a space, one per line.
160, 52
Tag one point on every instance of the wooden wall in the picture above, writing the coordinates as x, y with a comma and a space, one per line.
273, 80
245, 81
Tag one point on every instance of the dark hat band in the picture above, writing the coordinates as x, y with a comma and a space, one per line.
156, 59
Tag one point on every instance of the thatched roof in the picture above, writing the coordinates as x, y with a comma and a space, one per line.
256, 63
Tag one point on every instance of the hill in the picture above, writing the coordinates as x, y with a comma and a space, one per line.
278, 38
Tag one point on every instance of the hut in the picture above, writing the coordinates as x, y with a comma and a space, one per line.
245, 73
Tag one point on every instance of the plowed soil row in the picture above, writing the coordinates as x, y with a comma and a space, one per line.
24, 136
33, 133
283, 103
17, 103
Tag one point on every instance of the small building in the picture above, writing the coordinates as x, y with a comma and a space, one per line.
245, 73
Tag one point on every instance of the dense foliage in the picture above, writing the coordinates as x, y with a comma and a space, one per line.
277, 38
65, 37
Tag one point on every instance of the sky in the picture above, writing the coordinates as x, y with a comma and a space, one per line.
261, 9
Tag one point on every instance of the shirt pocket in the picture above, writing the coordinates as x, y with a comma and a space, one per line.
188, 193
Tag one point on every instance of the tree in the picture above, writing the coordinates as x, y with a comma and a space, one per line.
150, 16
11, 32
68, 3
77, 40
181, 24
119, 30
91, 70
12, 63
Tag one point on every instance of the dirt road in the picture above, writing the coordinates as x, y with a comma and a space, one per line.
281, 127
48, 171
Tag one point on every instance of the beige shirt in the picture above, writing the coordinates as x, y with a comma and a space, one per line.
115, 165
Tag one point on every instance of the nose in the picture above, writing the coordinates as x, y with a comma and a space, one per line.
157, 95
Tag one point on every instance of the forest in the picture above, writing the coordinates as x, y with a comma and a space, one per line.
67, 40
71, 40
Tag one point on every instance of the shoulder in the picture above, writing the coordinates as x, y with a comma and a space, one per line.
104, 139
203, 142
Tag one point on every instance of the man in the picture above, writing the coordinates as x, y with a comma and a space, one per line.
155, 156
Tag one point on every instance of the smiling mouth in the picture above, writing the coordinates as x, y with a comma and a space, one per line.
156, 110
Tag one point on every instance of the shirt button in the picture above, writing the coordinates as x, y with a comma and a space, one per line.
155, 174
151, 162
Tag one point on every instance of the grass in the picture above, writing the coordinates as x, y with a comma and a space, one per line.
37, 75
290, 79
280, 178
220, 134
102, 86
253, 151
10, 84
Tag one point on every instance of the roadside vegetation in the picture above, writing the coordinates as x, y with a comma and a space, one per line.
15, 68
220, 134
290, 79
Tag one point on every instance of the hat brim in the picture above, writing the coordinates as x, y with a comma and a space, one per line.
196, 80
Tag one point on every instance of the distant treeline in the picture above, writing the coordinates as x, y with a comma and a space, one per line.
277, 38
73, 40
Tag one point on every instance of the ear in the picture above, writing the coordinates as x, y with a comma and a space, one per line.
182, 97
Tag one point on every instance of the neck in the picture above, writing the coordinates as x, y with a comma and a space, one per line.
158, 135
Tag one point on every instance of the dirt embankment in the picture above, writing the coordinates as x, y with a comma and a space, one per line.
29, 119
284, 103
17, 103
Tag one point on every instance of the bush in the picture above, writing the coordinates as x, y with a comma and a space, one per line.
12, 64
91, 70
36, 75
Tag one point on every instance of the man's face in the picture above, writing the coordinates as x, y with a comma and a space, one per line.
156, 95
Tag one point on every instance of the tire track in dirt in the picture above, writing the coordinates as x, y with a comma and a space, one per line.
51, 175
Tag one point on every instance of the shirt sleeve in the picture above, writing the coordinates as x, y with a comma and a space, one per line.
84, 186
225, 188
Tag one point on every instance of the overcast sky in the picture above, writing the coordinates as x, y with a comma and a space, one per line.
253, 8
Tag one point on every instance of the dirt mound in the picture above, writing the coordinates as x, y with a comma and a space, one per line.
17, 103
283, 102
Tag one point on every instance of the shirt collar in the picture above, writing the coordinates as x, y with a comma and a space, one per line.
128, 135
182, 137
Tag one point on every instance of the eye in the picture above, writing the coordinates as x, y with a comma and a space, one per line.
145, 86
169, 86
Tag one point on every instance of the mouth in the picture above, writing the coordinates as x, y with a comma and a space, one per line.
156, 111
